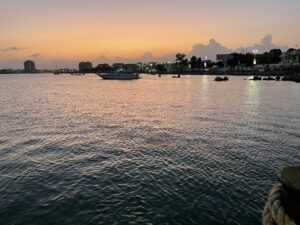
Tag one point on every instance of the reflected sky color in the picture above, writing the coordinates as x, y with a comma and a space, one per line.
81, 150
77, 29
252, 100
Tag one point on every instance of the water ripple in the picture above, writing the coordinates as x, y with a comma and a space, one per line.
154, 151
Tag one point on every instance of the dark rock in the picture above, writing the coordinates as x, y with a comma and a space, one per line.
294, 77
219, 79
256, 78
268, 78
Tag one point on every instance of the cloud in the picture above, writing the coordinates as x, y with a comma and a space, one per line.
146, 57
210, 50
265, 45
36, 55
166, 58
12, 49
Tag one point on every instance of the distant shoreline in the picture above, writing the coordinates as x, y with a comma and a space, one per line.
206, 73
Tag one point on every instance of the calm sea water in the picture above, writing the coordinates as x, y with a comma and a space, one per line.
81, 150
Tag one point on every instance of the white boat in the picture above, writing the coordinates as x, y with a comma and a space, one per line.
119, 75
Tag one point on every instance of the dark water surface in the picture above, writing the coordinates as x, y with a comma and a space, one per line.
81, 150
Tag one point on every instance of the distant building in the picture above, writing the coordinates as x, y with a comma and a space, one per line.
131, 67
206, 63
152, 67
117, 66
291, 57
261, 59
85, 66
224, 57
103, 68
29, 66
169, 66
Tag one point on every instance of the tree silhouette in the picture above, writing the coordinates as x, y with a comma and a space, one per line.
194, 62
275, 55
291, 50
181, 61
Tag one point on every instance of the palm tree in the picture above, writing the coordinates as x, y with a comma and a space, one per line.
180, 60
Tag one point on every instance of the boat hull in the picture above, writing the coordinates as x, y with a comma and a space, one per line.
119, 76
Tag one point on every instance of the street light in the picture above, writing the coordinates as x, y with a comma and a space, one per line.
255, 51
178, 67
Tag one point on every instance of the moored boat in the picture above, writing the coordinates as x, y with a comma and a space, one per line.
119, 75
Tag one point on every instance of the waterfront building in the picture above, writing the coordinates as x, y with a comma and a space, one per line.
131, 67
224, 57
103, 68
85, 66
169, 66
260, 59
117, 66
291, 57
152, 67
29, 66
206, 62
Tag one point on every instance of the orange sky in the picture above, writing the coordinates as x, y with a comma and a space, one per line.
75, 29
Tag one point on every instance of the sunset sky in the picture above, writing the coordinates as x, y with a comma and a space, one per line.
71, 30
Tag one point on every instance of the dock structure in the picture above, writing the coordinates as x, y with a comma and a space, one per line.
283, 204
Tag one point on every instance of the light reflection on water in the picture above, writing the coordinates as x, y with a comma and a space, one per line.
81, 150
253, 93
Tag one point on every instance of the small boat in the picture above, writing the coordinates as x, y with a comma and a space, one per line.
119, 75
56, 72
178, 76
